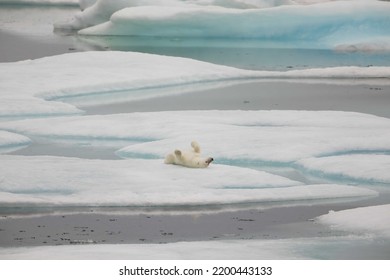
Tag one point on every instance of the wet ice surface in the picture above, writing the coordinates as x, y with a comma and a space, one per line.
294, 167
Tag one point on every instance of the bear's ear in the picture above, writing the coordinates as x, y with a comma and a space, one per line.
178, 153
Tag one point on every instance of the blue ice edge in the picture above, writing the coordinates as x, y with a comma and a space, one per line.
123, 154
83, 141
142, 91
16, 117
7, 148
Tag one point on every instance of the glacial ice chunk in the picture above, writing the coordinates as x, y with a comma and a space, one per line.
308, 26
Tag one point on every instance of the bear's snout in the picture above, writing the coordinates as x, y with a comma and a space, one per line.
209, 160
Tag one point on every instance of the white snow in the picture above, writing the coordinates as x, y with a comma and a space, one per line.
372, 168
372, 219
55, 181
90, 74
353, 22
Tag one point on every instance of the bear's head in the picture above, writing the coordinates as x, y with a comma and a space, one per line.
201, 162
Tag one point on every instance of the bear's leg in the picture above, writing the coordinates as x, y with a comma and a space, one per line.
195, 146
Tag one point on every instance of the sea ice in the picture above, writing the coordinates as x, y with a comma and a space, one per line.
372, 168
371, 219
265, 136
309, 140
56, 181
94, 74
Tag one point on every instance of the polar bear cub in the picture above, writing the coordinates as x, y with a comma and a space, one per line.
189, 158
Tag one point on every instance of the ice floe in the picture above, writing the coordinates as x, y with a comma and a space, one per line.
95, 72
99, 11
372, 168
265, 137
56, 182
372, 219
105, 74
308, 26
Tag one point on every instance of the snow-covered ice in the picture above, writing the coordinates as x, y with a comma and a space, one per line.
372, 219
129, 183
94, 74
265, 136
372, 168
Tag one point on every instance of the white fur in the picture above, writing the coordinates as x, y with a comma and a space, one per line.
189, 158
